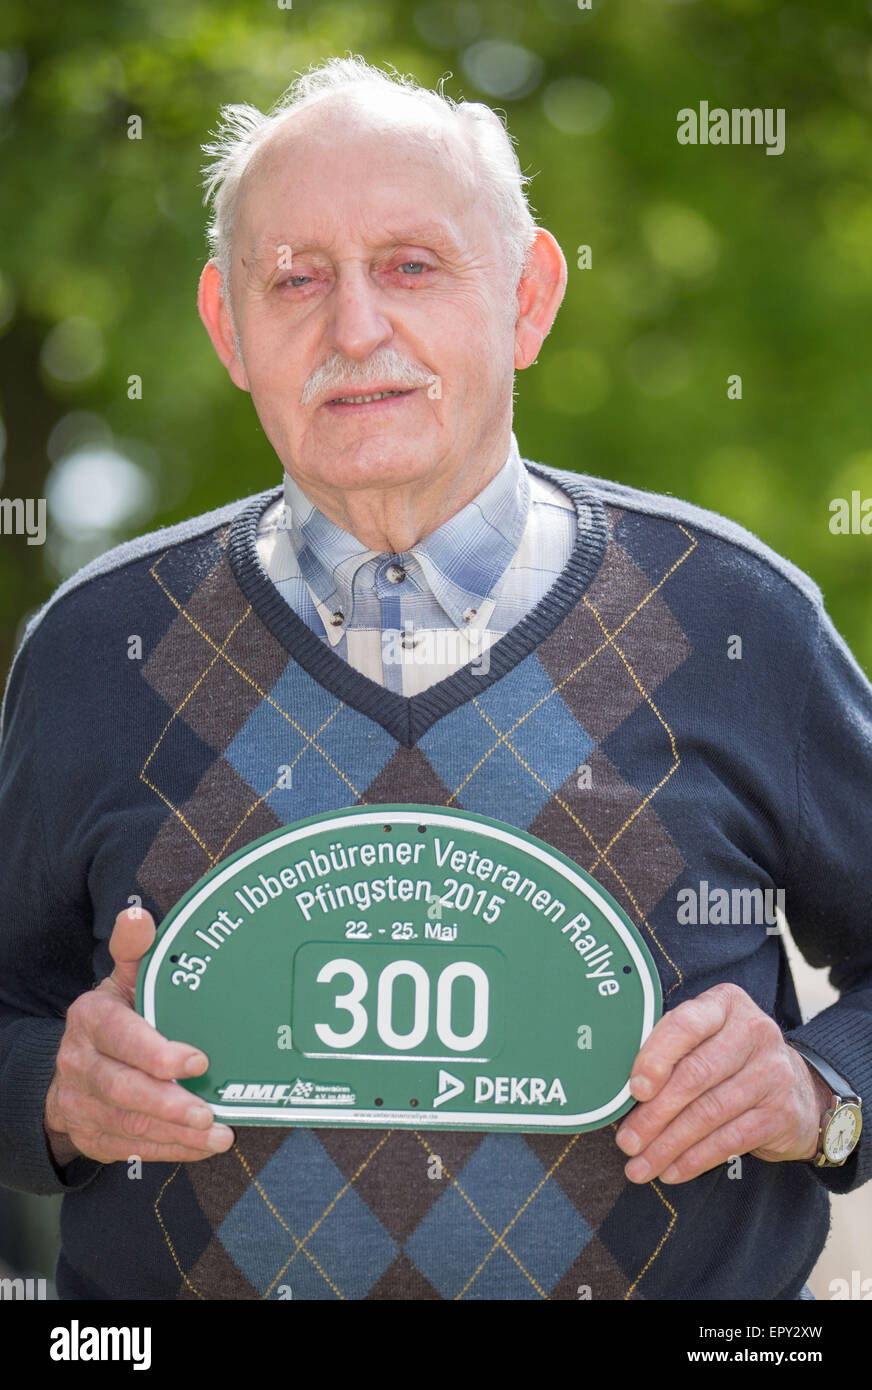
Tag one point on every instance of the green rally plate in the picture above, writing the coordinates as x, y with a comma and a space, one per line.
404, 965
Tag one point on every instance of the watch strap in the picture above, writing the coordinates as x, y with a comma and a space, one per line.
837, 1084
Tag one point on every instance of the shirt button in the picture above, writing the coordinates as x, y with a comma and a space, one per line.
395, 573
338, 618
469, 615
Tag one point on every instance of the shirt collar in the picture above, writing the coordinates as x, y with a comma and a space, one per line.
463, 560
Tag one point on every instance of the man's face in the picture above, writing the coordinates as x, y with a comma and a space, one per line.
364, 258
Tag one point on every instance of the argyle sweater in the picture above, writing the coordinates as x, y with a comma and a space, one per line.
726, 734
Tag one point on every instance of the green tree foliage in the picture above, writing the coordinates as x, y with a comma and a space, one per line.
706, 261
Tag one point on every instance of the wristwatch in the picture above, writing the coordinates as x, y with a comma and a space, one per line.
841, 1124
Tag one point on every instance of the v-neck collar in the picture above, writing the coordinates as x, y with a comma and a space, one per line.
407, 718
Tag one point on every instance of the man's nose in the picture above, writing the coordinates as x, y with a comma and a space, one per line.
358, 323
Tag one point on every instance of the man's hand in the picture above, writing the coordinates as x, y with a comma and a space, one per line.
717, 1079
113, 1093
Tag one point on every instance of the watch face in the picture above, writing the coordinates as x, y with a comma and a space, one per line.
842, 1133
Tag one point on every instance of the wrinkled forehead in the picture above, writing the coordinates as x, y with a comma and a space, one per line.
359, 162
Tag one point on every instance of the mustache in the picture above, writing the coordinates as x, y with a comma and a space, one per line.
339, 372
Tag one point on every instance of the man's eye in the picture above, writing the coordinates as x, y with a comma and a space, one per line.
296, 280
417, 266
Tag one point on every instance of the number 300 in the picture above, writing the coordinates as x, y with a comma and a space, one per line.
352, 1003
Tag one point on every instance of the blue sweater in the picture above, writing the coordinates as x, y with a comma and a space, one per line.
735, 764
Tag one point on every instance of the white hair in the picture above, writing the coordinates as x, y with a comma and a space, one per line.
243, 129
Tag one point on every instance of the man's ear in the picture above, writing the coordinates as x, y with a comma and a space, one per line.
213, 312
540, 294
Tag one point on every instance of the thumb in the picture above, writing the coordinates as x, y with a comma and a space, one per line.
132, 935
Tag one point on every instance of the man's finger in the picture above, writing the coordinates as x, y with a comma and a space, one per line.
132, 935
126, 1088
753, 1129
702, 1071
118, 1032
111, 1148
134, 1129
709, 1114
677, 1034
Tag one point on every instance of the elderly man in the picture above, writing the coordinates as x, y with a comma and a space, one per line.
419, 615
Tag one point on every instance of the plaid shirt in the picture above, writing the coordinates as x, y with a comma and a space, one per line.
411, 619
